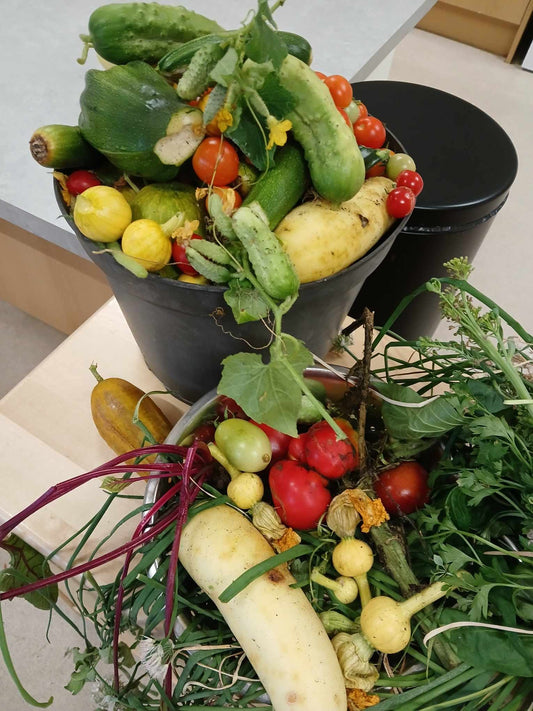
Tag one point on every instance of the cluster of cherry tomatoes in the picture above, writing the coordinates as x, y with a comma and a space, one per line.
371, 133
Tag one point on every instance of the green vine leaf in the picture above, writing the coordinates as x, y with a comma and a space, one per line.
268, 392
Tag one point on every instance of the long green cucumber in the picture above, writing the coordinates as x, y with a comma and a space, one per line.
271, 265
280, 187
123, 32
335, 163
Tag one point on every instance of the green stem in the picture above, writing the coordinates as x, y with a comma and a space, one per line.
364, 589
4, 649
482, 693
425, 597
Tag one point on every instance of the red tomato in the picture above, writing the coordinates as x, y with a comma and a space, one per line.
227, 407
369, 132
340, 89
204, 432
410, 179
321, 75
216, 161
298, 494
363, 111
345, 117
279, 442
179, 257
400, 202
329, 456
80, 180
404, 488
375, 171
297, 448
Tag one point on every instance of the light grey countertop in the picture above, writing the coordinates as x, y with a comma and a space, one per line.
42, 81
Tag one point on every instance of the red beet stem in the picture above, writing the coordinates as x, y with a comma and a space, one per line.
111, 467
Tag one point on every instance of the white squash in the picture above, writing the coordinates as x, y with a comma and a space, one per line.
275, 624
321, 237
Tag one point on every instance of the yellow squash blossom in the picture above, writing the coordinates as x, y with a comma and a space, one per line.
277, 131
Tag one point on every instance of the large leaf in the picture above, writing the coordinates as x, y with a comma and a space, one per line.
250, 137
490, 649
433, 419
267, 392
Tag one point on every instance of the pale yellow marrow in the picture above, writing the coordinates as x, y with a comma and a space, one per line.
275, 624
322, 238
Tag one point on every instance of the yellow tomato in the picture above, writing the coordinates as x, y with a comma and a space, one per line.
102, 213
147, 243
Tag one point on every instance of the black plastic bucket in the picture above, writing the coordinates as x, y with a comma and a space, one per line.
184, 331
468, 164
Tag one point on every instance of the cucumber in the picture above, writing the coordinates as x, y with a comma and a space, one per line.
62, 148
281, 187
272, 267
176, 60
123, 32
335, 162
297, 45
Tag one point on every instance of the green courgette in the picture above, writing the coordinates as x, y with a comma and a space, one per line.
133, 116
282, 186
62, 148
335, 163
123, 32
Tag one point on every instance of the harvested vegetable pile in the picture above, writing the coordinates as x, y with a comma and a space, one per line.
194, 136
305, 548
427, 602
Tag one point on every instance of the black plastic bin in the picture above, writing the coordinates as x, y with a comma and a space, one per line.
468, 164
184, 331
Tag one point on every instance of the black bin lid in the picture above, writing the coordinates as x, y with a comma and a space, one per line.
466, 159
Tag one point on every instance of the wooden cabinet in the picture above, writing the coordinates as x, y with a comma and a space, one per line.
493, 25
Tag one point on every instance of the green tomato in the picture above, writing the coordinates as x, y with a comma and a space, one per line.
352, 111
245, 445
397, 163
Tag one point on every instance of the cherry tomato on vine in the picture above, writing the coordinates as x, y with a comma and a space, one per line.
299, 494
403, 488
80, 180
179, 257
400, 202
279, 441
410, 179
378, 169
397, 163
370, 132
356, 110
340, 89
327, 455
216, 161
